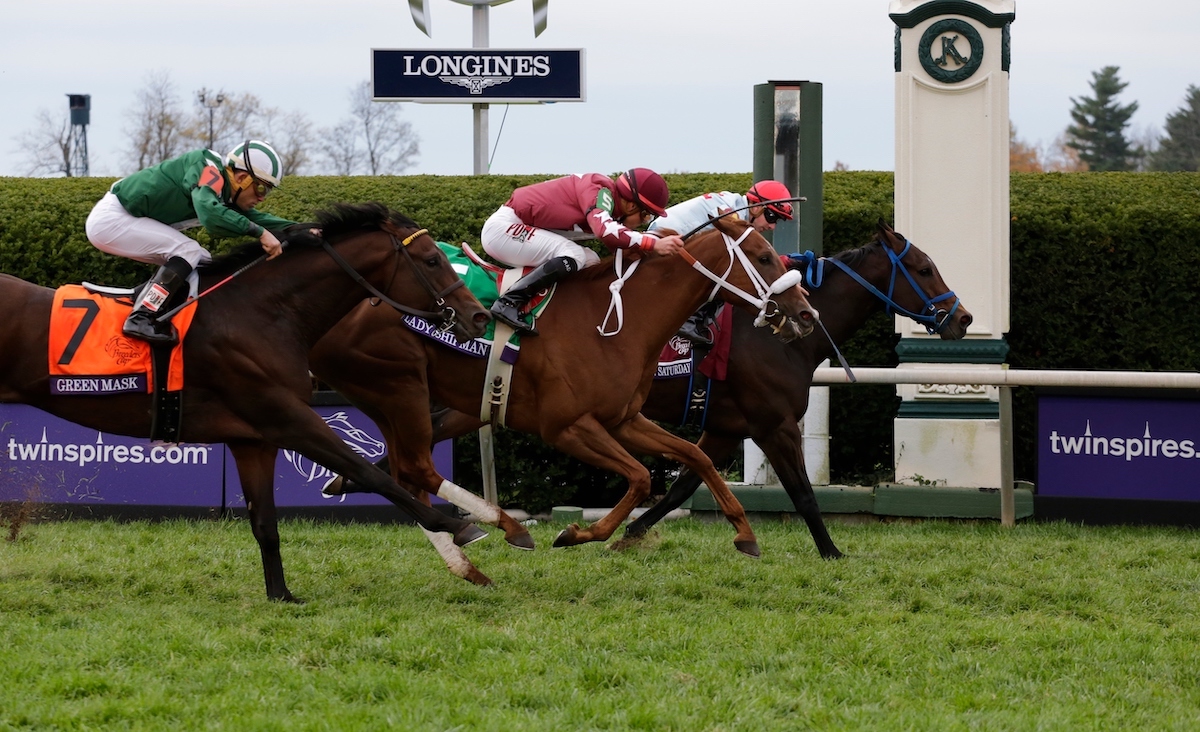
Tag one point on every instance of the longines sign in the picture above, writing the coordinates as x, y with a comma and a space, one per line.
479, 75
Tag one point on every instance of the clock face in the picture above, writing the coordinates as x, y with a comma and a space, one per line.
951, 50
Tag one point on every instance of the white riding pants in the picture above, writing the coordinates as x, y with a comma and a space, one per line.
508, 239
112, 229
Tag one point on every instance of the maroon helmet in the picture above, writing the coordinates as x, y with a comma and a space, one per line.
645, 188
771, 190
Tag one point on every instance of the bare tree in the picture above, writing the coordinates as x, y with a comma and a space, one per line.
1060, 157
46, 147
391, 146
372, 140
157, 123
293, 131
339, 147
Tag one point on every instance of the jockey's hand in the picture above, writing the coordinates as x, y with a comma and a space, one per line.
668, 245
270, 244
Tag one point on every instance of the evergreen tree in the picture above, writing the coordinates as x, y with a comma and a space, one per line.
1180, 147
1099, 130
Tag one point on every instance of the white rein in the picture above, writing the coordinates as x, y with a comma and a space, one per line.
789, 279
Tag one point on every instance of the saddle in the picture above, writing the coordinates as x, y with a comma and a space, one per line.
90, 356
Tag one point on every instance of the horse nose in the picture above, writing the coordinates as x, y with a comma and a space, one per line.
808, 316
966, 319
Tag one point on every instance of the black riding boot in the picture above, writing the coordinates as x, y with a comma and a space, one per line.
697, 329
142, 322
507, 307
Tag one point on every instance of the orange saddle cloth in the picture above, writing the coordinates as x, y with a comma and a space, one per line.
89, 355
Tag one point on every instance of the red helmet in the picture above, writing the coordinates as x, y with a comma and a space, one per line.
645, 188
771, 190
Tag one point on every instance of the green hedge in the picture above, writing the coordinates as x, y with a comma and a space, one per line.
1104, 275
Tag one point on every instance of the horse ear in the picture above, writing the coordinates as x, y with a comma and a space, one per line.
886, 234
301, 234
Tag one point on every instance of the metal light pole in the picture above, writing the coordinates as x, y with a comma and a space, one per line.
211, 103
479, 38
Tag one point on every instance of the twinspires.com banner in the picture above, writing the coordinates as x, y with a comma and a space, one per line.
45, 459
1099, 447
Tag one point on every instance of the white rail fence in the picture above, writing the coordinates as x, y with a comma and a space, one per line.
1005, 379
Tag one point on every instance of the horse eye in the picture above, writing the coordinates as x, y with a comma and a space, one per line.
432, 262
765, 259
926, 272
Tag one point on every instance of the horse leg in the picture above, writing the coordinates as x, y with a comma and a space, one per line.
303, 430
587, 440
784, 449
455, 558
256, 471
718, 450
413, 468
641, 435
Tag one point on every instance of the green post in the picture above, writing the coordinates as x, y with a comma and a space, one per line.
787, 148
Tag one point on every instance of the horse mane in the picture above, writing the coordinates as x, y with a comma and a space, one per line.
344, 218
336, 221
852, 257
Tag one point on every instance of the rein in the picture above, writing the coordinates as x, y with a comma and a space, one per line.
446, 315
933, 318
767, 308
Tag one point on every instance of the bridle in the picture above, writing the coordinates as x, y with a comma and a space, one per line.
934, 319
768, 309
445, 316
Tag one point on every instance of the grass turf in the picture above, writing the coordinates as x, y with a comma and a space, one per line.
925, 625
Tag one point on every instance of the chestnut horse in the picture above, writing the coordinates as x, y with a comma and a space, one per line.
766, 392
246, 354
579, 390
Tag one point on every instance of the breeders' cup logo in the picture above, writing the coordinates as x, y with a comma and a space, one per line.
362, 443
476, 72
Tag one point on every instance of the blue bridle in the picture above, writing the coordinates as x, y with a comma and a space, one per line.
933, 318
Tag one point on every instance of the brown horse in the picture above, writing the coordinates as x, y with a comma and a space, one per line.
577, 389
766, 392
246, 355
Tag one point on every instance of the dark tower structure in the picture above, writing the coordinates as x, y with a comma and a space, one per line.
81, 109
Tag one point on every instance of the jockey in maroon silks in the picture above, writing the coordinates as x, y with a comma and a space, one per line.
534, 229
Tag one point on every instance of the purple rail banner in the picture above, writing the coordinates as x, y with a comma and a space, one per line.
1102, 447
45, 459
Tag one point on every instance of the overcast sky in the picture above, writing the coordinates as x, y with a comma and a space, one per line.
669, 82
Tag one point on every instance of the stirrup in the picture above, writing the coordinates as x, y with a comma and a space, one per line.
509, 314
141, 325
691, 331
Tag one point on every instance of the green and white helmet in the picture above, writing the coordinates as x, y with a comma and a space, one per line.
258, 159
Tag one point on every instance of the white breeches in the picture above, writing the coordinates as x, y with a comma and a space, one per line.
112, 229
517, 244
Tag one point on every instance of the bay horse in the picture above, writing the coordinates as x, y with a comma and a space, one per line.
577, 389
246, 354
766, 392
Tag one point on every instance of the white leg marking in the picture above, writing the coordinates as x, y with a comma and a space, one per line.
486, 512
454, 557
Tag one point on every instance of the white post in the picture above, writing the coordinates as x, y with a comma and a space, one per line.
479, 39
815, 427
952, 182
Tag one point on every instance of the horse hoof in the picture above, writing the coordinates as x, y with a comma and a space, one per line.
469, 535
566, 537
476, 577
520, 541
287, 597
334, 486
835, 554
749, 548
